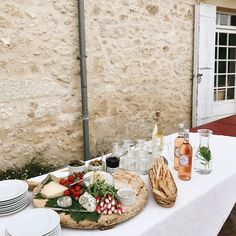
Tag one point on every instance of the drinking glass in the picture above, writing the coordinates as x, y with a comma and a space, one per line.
168, 148
116, 149
126, 153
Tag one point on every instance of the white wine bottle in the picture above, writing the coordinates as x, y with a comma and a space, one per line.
157, 134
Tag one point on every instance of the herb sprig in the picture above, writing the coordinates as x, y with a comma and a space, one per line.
205, 153
101, 188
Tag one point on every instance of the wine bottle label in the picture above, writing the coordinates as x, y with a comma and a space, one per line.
177, 152
183, 160
111, 170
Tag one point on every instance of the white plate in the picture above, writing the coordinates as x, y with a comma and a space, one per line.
9, 203
55, 232
41, 221
105, 176
16, 210
61, 175
11, 189
13, 201
12, 206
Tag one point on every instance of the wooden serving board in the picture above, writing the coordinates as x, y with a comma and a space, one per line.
121, 179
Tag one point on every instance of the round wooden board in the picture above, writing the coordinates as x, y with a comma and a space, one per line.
121, 179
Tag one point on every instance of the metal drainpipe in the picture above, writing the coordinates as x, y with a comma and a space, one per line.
83, 76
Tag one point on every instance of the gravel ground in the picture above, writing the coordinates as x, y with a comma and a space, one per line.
229, 227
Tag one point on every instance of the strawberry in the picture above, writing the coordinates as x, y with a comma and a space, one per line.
63, 182
80, 175
71, 178
77, 188
70, 181
76, 194
72, 190
67, 192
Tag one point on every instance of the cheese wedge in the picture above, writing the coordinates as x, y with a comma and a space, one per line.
53, 190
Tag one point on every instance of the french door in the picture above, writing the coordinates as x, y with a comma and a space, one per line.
225, 66
214, 94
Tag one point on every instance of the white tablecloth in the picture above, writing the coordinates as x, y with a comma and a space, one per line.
202, 206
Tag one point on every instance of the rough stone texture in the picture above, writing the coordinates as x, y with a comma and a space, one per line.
139, 61
39, 81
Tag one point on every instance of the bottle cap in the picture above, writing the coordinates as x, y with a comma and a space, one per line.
157, 115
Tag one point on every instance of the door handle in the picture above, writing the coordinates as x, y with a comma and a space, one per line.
199, 78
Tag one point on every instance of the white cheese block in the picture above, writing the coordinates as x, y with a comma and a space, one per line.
88, 202
53, 190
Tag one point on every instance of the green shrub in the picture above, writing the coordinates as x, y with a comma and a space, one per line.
34, 168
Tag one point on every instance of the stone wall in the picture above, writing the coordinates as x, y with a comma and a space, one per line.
139, 60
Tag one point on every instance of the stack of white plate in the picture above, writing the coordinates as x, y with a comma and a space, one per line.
13, 196
35, 222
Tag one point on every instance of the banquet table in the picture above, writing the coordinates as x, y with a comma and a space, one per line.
202, 206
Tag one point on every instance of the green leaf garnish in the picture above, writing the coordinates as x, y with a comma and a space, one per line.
38, 196
51, 203
79, 216
205, 153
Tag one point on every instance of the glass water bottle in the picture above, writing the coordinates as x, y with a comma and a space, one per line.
203, 157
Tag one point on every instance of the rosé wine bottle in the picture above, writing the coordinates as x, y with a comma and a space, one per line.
185, 158
178, 142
